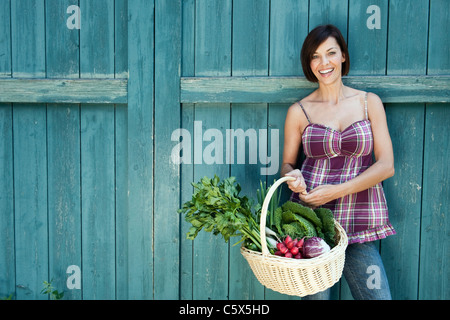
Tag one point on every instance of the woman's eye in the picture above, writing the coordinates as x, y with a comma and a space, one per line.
315, 56
332, 53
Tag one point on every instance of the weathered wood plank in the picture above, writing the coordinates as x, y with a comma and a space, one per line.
250, 57
7, 260
403, 194
121, 152
288, 28
5, 39
212, 58
435, 224
329, 11
30, 154
187, 170
167, 173
434, 282
367, 47
97, 156
63, 90
391, 89
400, 253
140, 148
63, 141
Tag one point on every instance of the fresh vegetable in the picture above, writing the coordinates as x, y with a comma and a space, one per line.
294, 225
273, 204
303, 211
289, 248
217, 207
326, 216
314, 247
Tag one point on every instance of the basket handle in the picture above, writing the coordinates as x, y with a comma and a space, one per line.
265, 206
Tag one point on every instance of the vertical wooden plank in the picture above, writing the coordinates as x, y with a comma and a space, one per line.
187, 169
7, 265
400, 253
288, 29
97, 155
121, 150
367, 47
140, 148
212, 58
438, 44
329, 11
167, 173
30, 154
63, 134
407, 57
434, 252
5, 39
250, 57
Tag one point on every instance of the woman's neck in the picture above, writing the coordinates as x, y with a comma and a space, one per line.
331, 93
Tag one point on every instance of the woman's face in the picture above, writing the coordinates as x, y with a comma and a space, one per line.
326, 62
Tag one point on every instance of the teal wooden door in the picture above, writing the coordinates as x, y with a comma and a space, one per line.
97, 96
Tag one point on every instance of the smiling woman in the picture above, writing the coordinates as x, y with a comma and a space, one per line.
339, 128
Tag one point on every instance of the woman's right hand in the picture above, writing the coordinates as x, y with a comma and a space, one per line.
298, 185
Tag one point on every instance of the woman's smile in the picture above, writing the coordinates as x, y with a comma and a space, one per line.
326, 72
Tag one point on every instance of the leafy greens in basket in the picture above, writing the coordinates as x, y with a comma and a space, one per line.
217, 206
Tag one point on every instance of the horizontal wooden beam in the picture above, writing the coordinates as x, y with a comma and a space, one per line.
63, 90
391, 89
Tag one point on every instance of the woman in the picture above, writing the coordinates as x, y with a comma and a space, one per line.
339, 128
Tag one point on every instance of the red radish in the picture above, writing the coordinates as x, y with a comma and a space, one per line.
290, 244
298, 256
279, 245
300, 243
278, 253
288, 239
288, 255
284, 250
294, 250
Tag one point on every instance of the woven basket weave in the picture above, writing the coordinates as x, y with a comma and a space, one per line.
296, 277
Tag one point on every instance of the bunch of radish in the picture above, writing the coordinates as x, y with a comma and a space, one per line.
289, 248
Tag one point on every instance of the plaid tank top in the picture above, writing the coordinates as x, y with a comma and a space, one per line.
334, 157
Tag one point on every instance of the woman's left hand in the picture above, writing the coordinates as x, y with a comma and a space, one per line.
320, 195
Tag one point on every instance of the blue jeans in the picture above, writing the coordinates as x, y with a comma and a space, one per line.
364, 272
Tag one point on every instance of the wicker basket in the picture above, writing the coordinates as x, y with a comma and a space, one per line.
296, 277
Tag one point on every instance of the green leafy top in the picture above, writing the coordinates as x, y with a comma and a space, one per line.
217, 207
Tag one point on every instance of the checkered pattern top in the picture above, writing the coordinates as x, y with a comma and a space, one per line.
334, 157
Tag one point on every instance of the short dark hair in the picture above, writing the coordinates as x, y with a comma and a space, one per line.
313, 40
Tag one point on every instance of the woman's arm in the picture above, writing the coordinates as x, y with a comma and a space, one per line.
293, 128
382, 169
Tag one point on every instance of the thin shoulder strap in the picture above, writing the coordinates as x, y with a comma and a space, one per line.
365, 106
307, 117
